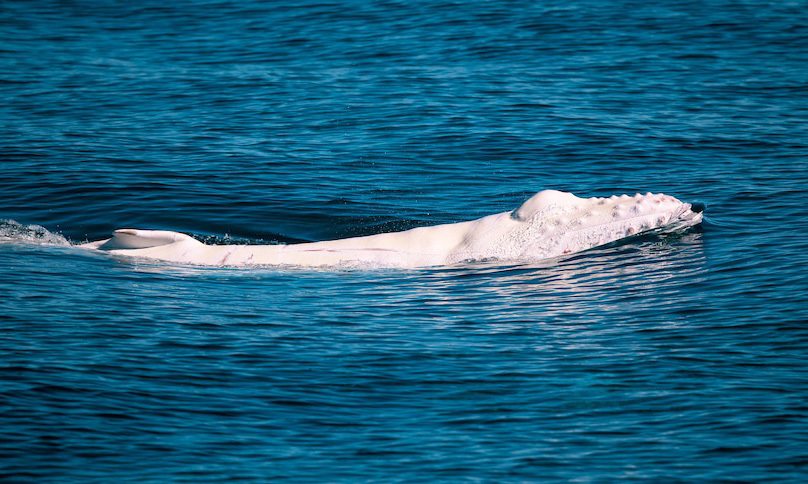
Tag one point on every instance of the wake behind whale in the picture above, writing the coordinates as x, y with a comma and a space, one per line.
549, 224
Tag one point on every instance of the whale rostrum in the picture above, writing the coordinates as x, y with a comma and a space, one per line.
551, 223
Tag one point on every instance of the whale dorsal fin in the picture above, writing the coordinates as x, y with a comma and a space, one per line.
142, 239
541, 201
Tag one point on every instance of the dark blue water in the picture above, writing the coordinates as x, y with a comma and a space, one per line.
676, 359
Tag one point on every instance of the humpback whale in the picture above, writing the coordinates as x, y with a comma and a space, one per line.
551, 223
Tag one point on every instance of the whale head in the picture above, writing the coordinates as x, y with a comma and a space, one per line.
554, 223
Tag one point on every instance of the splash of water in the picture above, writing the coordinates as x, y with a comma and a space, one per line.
13, 232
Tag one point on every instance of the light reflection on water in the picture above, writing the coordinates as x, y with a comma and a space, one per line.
673, 359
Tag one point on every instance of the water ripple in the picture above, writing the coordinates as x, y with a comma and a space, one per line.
674, 359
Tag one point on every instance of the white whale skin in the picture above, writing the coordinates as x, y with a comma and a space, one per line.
549, 224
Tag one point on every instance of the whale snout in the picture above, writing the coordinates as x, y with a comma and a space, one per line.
697, 207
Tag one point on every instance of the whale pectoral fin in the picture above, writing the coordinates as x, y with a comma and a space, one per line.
141, 239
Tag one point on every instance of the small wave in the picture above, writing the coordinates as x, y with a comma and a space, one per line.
14, 232
228, 239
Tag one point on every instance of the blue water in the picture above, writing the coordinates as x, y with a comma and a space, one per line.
673, 359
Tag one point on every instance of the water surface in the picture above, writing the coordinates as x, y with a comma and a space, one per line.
675, 359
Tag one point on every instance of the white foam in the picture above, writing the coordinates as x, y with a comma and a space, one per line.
13, 232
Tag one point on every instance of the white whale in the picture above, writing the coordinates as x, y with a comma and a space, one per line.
549, 224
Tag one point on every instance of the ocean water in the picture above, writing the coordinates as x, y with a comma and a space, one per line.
661, 359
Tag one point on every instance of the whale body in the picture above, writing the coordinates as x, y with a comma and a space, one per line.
549, 224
